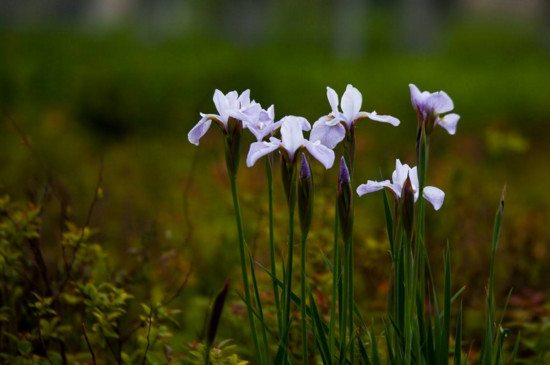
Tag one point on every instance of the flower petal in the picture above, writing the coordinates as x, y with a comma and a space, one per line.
440, 102
333, 101
449, 122
351, 103
260, 149
321, 153
372, 186
196, 133
244, 99
383, 118
400, 174
434, 195
416, 96
291, 134
329, 135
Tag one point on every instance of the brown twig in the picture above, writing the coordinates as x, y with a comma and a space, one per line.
88, 343
69, 266
148, 334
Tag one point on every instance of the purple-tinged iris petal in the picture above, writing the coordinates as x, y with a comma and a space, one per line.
321, 153
383, 118
244, 99
449, 122
260, 149
434, 195
291, 134
333, 101
440, 102
329, 135
372, 186
351, 104
199, 130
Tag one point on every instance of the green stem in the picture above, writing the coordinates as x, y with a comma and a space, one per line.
335, 284
269, 173
242, 250
288, 280
303, 295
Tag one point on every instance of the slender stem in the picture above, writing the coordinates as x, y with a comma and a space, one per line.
335, 284
288, 281
243, 263
303, 295
269, 173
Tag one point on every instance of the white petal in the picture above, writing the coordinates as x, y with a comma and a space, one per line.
400, 174
196, 133
220, 102
413, 176
333, 100
304, 123
329, 135
260, 149
449, 122
321, 153
244, 99
440, 102
416, 96
351, 103
372, 186
383, 118
434, 195
291, 134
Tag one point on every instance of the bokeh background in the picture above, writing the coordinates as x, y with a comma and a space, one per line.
112, 87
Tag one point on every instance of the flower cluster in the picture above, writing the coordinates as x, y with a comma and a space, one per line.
327, 132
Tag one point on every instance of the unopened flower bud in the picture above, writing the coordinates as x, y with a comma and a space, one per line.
217, 310
305, 195
407, 204
345, 199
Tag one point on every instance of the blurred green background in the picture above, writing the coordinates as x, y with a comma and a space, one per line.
123, 82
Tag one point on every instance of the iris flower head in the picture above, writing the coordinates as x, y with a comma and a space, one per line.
292, 141
432, 106
331, 129
432, 194
230, 105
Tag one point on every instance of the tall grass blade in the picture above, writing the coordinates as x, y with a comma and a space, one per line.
458, 338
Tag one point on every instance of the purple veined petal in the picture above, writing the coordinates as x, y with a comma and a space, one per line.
321, 153
252, 113
329, 135
260, 149
351, 103
449, 122
417, 98
291, 134
257, 132
439, 102
236, 114
434, 195
372, 186
383, 118
196, 133
244, 99
333, 101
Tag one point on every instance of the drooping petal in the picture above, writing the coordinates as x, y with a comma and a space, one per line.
329, 135
321, 153
260, 149
449, 122
333, 101
268, 115
383, 118
372, 186
196, 133
351, 103
291, 134
440, 102
306, 126
434, 195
